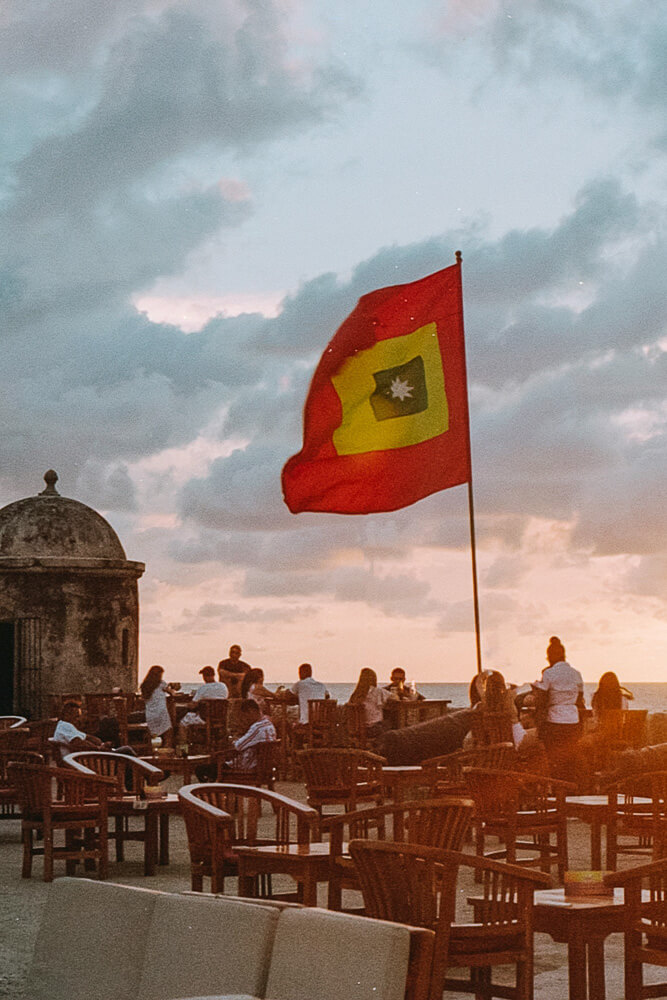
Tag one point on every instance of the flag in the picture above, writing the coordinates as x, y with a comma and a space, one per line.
386, 417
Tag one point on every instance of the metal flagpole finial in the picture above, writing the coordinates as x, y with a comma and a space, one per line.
459, 256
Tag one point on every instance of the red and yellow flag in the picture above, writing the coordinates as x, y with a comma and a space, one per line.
386, 417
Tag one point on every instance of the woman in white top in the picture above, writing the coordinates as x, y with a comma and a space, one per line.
154, 691
564, 687
373, 699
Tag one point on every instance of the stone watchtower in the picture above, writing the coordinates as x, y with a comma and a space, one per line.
69, 605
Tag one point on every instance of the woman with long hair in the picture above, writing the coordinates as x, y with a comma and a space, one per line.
608, 695
373, 698
154, 691
252, 686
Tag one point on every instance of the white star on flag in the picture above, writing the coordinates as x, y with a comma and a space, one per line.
401, 390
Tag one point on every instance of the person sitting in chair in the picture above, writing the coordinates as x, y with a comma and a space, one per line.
68, 738
259, 729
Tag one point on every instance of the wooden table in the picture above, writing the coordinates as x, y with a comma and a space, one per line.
400, 714
156, 813
582, 923
179, 765
402, 781
307, 864
594, 810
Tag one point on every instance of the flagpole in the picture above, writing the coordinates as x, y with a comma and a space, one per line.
471, 506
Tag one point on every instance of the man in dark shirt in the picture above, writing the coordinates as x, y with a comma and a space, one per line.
231, 670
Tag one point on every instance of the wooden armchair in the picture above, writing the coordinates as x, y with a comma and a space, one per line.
8, 794
524, 811
11, 722
219, 817
634, 825
446, 771
645, 925
418, 884
322, 728
354, 726
342, 777
442, 822
489, 728
129, 775
14, 734
79, 809
265, 772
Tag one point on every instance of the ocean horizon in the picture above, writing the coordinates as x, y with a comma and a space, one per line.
648, 695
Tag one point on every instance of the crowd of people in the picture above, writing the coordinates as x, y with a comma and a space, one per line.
546, 715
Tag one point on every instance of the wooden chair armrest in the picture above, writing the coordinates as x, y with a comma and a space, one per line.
149, 771
218, 816
631, 875
540, 880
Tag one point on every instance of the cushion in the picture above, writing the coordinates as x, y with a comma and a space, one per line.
194, 944
323, 955
91, 933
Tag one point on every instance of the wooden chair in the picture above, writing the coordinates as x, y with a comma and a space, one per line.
442, 822
634, 826
445, 772
128, 774
322, 723
263, 774
14, 733
95, 707
40, 731
417, 884
219, 817
524, 812
489, 728
645, 925
130, 712
11, 722
342, 777
354, 726
80, 811
9, 799
213, 735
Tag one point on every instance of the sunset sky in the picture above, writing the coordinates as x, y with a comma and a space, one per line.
193, 196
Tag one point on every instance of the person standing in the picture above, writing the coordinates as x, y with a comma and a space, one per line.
154, 691
563, 687
232, 669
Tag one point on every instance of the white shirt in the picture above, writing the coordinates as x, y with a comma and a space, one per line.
563, 684
374, 703
211, 689
65, 732
307, 690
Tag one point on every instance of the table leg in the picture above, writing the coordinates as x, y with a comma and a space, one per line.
576, 961
596, 983
164, 839
309, 887
596, 844
150, 843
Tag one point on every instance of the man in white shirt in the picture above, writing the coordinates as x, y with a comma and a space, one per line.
209, 690
68, 738
306, 689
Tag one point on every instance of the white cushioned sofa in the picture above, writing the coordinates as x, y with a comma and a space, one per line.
115, 942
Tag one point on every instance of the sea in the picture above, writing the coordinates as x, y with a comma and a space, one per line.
646, 695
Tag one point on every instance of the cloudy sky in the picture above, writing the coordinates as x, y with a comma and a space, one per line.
195, 193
